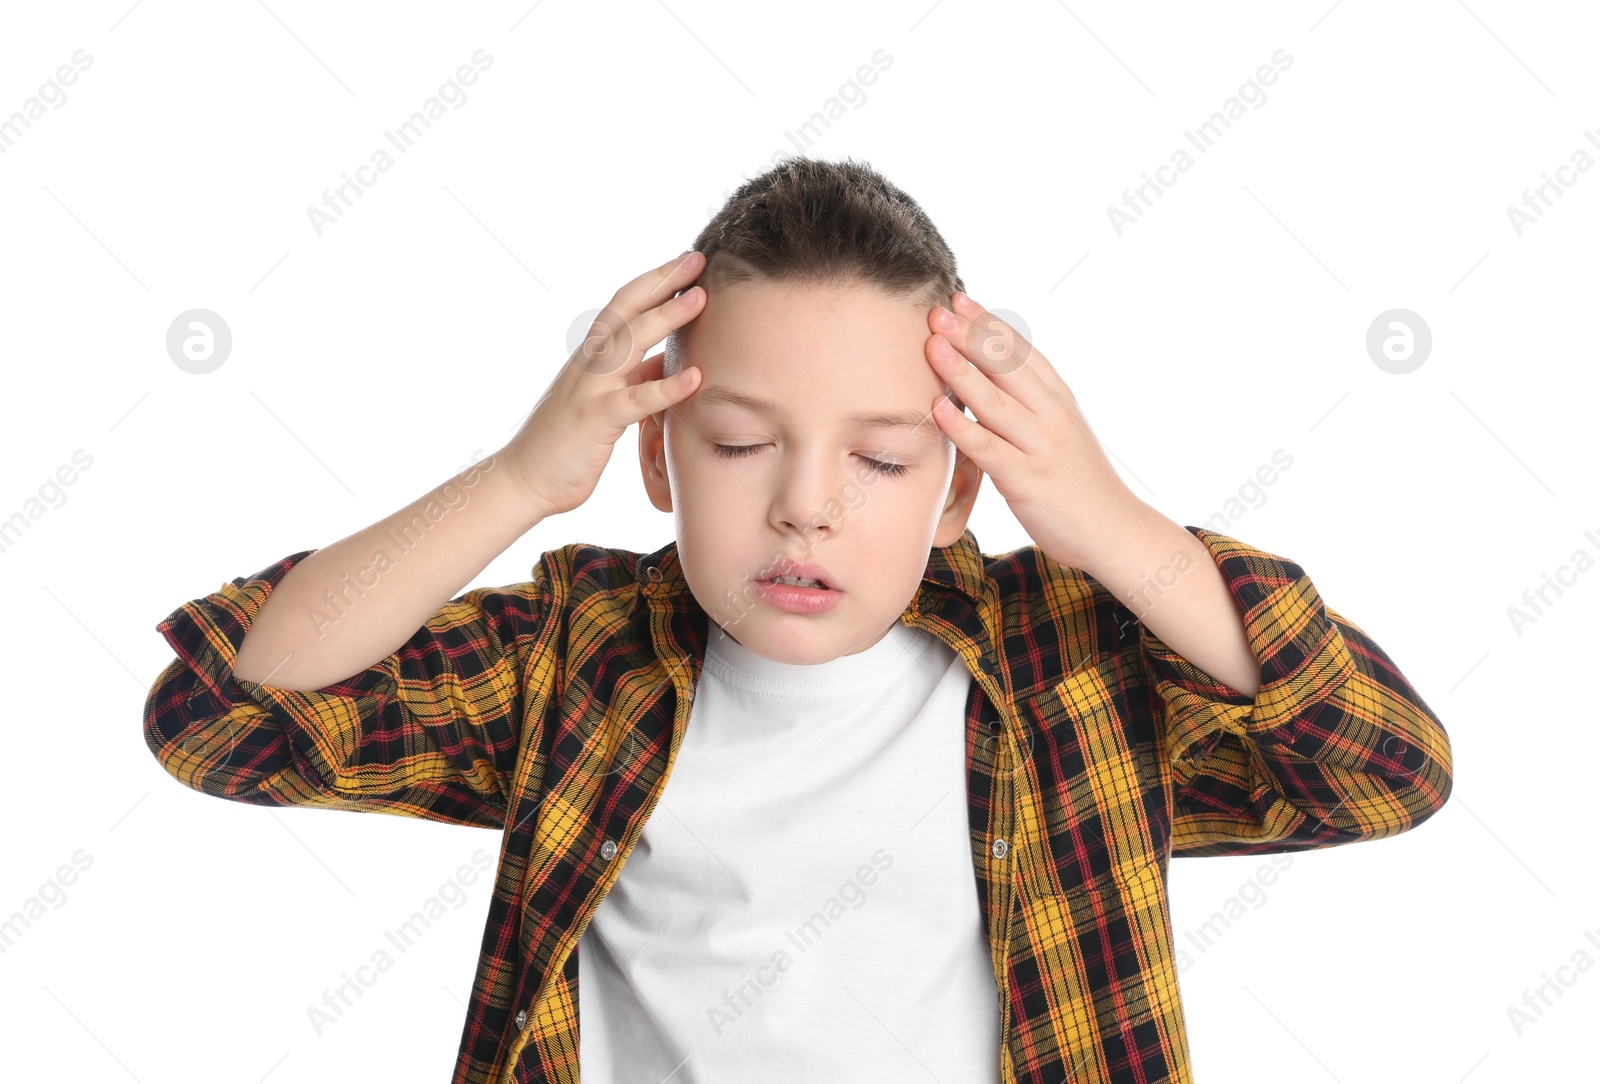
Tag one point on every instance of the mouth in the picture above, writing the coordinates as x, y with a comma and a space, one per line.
807, 576
798, 581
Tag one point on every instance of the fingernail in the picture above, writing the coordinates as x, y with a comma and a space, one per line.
686, 377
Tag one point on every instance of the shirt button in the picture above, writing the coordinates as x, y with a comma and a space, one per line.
999, 849
522, 1019
608, 850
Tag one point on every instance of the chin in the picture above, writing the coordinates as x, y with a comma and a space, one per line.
802, 654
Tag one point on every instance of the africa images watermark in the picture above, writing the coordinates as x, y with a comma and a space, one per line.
1250, 494
850, 896
1251, 92
403, 937
1538, 201
1566, 576
1541, 998
851, 93
52, 893
1252, 893
447, 498
50, 93
402, 138
51, 496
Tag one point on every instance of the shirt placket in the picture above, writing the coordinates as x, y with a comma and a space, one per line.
1000, 856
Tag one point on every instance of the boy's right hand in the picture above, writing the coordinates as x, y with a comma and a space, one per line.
564, 444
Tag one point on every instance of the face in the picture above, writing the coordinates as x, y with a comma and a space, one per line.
756, 490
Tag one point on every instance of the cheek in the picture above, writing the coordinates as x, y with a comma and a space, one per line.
853, 496
689, 464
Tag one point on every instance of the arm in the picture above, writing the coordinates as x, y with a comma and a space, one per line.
373, 700
351, 603
1168, 579
1315, 738
379, 709
1279, 725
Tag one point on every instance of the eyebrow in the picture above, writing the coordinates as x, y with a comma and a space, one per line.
720, 395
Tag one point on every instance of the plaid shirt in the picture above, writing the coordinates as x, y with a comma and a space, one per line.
552, 711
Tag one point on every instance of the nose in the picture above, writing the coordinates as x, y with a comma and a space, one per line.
805, 494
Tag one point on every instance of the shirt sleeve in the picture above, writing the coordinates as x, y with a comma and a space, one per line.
1336, 746
433, 731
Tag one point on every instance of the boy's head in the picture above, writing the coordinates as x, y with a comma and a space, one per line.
818, 278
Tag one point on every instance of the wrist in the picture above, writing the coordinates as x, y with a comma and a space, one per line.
498, 482
1124, 529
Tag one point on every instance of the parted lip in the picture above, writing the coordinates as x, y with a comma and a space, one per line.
809, 570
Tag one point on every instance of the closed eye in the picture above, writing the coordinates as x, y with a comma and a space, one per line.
733, 451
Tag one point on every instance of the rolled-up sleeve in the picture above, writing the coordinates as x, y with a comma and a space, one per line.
1336, 745
433, 731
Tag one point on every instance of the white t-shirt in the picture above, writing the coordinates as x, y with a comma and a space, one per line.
801, 904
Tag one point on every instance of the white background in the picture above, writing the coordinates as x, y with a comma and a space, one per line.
373, 361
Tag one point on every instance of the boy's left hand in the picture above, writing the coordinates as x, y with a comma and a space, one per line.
1030, 436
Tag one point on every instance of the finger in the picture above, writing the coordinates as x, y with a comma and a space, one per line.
653, 393
993, 337
653, 325
995, 409
986, 340
650, 367
614, 337
996, 347
972, 440
615, 340
658, 284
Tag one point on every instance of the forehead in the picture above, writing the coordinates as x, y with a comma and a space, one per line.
792, 321
762, 345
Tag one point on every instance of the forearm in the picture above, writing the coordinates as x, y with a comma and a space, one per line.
1168, 578
355, 601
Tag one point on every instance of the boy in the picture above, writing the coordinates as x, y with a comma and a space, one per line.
921, 812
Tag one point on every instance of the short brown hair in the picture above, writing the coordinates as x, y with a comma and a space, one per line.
830, 224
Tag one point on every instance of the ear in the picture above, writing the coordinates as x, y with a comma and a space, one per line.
963, 493
653, 454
